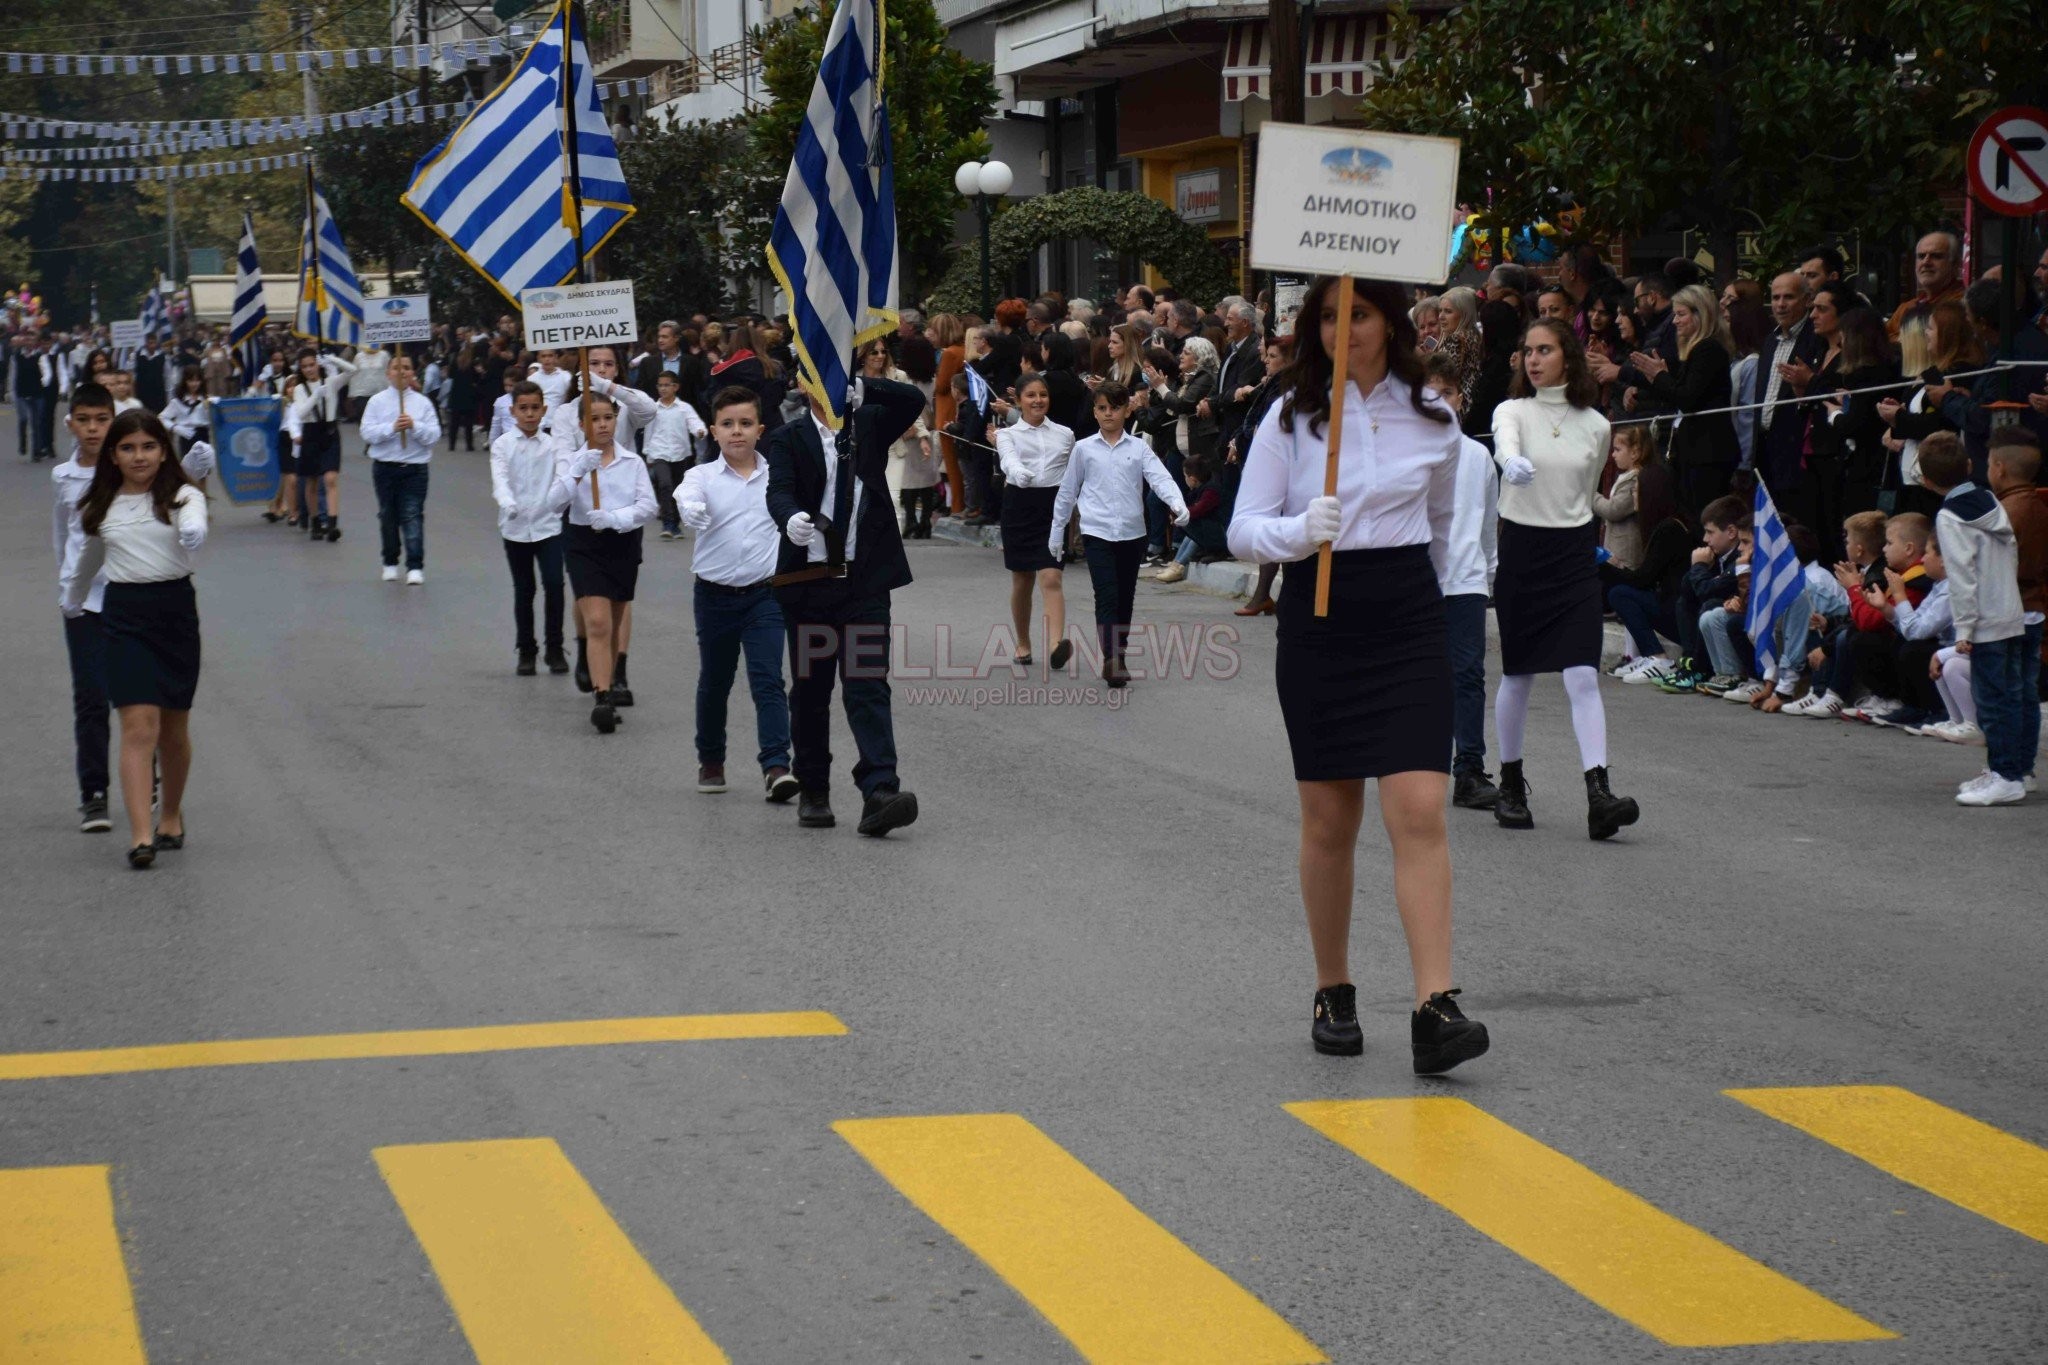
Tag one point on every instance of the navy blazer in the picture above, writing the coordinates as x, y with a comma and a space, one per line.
796, 483
1780, 453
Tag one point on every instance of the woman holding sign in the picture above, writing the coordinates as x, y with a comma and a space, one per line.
1365, 688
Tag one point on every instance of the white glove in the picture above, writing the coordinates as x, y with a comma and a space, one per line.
507, 506
1324, 518
801, 530
1518, 471
199, 461
191, 537
1057, 547
604, 519
583, 463
696, 515
1180, 518
71, 613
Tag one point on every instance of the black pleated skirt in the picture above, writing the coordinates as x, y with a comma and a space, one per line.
602, 563
1366, 690
1027, 525
1547, 598
152, 638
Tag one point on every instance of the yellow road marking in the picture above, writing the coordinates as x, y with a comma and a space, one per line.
531, 1261
64, 1297
1946, 1153
1675, 1282
1119, 1286
439, 1042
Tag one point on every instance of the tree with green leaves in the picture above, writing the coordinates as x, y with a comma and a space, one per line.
937, 101
1791, 117
671, 247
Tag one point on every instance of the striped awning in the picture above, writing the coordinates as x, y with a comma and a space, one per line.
1343, 56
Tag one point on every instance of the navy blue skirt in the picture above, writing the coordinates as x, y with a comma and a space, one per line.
152, 636
1547, 598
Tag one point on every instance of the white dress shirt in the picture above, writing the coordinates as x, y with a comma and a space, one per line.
739, 547
523, 485
564, 422
1473, 552
1397, 474
625, 490
1567, 445
319, 402
381, 414
830, 439
671, 433
1034, 456
70, 481
1105, 484
186, 417
501, 416
553, 383
134, 547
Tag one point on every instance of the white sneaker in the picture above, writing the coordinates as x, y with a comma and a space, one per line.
1983, 776
1627, 666
1747, 692
414, 577
390, 573
1814, 704
1649, 670
1960, 732
1993, 791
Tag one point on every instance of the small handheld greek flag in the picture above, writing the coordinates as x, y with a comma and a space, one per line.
330, 300
250, 313
977, 388
833, 247
1775, 580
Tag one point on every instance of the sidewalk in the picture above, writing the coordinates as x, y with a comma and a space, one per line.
1233, 578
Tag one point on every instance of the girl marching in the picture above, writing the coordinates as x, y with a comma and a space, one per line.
610, 499
312, 419
1034, 454
1365, 690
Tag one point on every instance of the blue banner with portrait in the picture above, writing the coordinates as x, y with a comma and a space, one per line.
245, 436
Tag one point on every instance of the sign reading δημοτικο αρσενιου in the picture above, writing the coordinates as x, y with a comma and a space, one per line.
1339, 201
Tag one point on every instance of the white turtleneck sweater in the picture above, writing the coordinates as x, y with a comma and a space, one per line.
1567, 445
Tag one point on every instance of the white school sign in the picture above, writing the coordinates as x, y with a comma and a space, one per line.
1341, 201
559, 317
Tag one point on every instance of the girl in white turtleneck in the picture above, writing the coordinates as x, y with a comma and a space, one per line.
1551, 444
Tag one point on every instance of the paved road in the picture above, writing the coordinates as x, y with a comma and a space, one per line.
1093, 927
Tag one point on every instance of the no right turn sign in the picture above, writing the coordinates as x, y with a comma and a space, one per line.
2008, 162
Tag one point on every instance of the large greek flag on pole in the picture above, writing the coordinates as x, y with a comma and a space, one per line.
1775, 580
250, 314
498, 189
833, 247
330, 301
156, 319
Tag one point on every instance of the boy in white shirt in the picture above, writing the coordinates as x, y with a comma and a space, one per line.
121, 384
1467, 583
522, 482
668, 444
552, 378
725, 503
501, 407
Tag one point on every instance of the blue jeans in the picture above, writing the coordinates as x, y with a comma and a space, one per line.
1720, 632
2008, 709
90, 728
29, 412
1646, 615
402, 508
726, 624
1794, 630
1465, 634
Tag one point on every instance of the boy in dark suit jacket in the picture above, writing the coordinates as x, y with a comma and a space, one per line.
842, 555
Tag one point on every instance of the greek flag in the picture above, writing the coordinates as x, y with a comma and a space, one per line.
246, 327
833, 247
156, 319
330, 301
977, 389
499, 190
1775, 580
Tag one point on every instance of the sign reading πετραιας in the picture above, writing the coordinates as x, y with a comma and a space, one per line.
561, 317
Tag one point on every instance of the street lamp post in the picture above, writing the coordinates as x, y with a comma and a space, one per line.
983, 182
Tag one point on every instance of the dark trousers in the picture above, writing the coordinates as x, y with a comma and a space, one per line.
462, 422
1646, 616
90, 730
1465, 634
2005, 681
1860, 660
29, 410
727, 624
837, 635
1700, 484
1113, 568
1916, 689
918, 504
402, 510
666, 476
525, 556
1158, 516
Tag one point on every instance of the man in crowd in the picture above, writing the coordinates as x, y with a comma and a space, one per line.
671, 356
1783, 372
1937, 266
1818, 266
1183, 320
1241, 370
1138, 299
1578, 270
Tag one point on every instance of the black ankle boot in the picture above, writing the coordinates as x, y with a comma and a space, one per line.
622, 695
557, 661
602, 715
1335, 1029
1511, 807
1475, 791
1606, 812
1442, 1036
527, 658
583, 682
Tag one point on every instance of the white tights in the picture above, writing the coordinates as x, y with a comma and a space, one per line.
1589, 718
1954, 685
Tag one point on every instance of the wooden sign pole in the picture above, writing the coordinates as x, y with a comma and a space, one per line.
583, 417
1340, 361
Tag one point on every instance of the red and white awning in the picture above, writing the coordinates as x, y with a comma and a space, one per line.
1344, 52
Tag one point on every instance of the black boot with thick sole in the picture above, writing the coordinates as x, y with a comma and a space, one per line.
1511, 807
1606, 813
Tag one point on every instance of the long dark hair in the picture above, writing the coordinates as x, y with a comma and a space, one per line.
1308, 376
1581, 390
185, 377
107, 477
1657, 494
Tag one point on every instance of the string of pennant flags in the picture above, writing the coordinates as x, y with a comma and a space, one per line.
403, 57
187, 171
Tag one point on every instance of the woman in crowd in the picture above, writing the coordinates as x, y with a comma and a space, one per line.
1366, 690
1126, 358
143, 519
1704, 451
1943, 406
1645, 595
1157, 422
1275, 352
1845, 457
1457, 330
1551, 443
742, 365
610, 500
1002, 339
1070, 397
1749, 327
1500, 329
465, 396
1424, 315
187, 414
948, 337
1034, 453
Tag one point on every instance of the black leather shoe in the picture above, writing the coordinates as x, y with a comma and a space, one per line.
1061, 652
1511, 802
583, 682
814, 810
557, 661
1475, 791
887, 809
1443, 1037
779, 785
1335, 1029
141, 856
622, 695
333, 529
527, 658
171, 842
603, 716
1606, 813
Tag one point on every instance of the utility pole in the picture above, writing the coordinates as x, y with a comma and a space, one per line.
171, 229
421, 32
306, 77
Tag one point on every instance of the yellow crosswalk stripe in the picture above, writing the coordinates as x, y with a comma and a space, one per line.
1667, 1277
64, 1296
441, 1042
534, 1266
1120, 1287
1946, 1153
